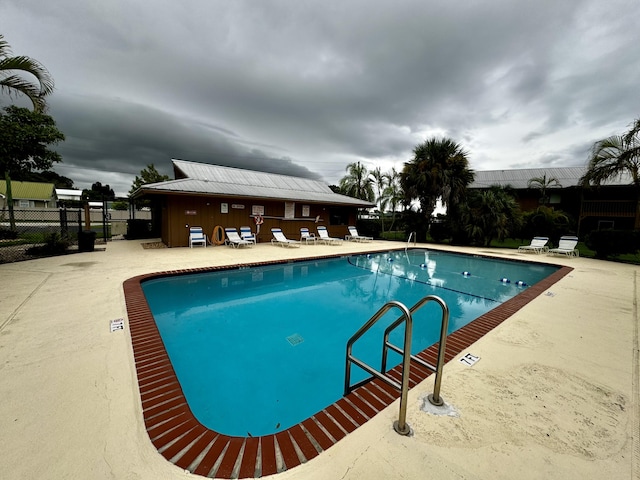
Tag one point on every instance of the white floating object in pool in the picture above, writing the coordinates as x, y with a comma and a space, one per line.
389, 259
466, 274
520, 283
423, 265
505, 280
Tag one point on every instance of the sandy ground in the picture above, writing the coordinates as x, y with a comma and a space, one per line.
554, 394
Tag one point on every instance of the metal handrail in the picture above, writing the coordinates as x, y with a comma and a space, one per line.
400, 425
434, 398
415, 239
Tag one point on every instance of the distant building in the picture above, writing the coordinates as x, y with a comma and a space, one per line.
29, 194
213, 196
612, 205
66, 196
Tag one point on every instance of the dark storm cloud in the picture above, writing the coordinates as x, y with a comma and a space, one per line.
113, 135
305, 88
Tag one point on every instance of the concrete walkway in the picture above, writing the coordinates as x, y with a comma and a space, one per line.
554, 394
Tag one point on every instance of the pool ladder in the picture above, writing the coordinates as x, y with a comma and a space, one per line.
406, 317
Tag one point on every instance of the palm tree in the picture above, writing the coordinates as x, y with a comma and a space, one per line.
392, 195
439, 170
543, 183
616, 156
490, 214
357, 183
11, 82
380, 181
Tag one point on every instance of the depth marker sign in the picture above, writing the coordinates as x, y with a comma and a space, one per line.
117, 324
469, 359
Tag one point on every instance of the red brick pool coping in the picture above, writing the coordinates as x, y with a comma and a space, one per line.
185, 442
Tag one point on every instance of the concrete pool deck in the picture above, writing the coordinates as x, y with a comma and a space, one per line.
554, 394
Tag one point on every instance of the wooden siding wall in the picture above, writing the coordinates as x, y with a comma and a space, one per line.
181, 211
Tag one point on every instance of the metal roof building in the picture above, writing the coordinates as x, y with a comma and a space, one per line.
214, 197
519, 178
194, 178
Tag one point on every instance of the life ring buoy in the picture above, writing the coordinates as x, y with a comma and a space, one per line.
218, 235
258, 219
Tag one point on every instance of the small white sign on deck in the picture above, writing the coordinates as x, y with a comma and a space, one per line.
469, 359
117, 324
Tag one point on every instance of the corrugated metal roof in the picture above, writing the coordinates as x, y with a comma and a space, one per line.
207, 179
519, 178
28, 190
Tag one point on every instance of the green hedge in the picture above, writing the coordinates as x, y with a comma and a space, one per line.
611, 243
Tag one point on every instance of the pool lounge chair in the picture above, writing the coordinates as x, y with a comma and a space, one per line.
538, 245
307, 236
323, 237
247, 234
235, 240
355, 237
280, 239
197, 237
566, 246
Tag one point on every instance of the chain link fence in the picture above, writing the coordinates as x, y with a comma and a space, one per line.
33, 233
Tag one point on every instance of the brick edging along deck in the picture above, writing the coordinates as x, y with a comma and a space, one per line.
184, 441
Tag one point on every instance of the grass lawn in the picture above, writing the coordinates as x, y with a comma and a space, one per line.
582, 248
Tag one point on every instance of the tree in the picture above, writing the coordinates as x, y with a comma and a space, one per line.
616, 156
542, 184
490, 214
25, 137
47, 176
147, 175
380, 182
357, 183
438, 170
98, 193
12, 83
392, 195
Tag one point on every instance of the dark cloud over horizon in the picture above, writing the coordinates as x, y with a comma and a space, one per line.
304, 88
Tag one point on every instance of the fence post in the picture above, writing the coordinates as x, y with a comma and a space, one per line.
64, 226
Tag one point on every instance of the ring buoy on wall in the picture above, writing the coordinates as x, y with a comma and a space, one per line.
218, 235
258, 219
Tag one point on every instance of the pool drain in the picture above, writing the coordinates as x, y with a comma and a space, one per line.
295, 339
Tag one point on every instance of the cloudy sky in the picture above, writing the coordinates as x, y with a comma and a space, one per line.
305, 88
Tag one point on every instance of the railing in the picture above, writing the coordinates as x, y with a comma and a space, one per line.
400, 425
406, 317
609, 208
411, 235
434, 398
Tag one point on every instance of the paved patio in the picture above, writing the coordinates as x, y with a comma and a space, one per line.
554, 395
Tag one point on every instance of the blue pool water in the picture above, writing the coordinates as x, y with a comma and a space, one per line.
257, 350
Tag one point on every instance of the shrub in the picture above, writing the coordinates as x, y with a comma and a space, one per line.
54, 244
611, 243
6, 234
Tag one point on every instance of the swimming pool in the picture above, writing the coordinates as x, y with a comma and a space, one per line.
181, 439
274, 336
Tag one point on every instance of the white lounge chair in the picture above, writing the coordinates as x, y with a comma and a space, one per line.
197, 237
538, 245
247, 234
355, 237
566, 246
307, 236
280, 239
235, 240
325, 238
